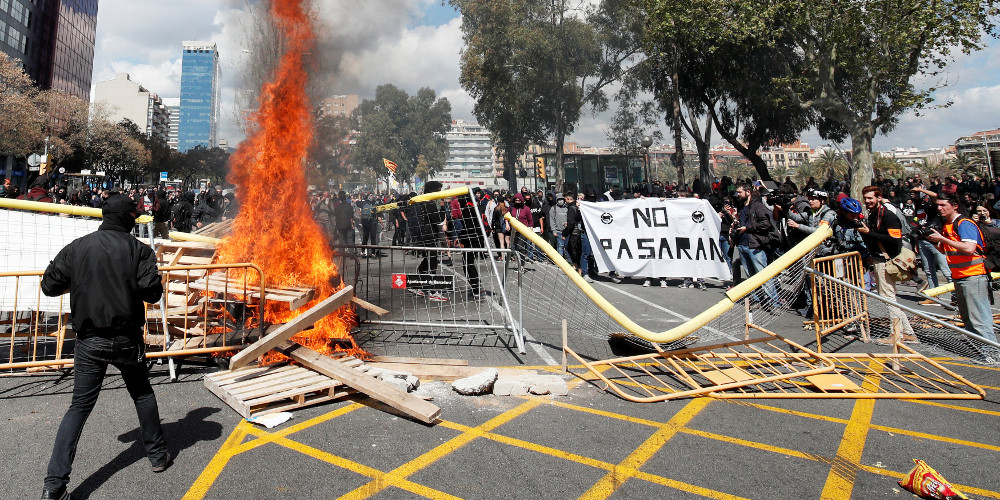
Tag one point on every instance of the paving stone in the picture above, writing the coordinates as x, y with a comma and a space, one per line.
480, 383
547, 384
510, 386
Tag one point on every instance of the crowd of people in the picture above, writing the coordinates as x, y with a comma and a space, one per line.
171, 209
937, 218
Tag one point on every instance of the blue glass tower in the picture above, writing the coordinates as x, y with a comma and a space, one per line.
199, 96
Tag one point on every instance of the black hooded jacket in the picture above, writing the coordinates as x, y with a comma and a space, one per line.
109, 274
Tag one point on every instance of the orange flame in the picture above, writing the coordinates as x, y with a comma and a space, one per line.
275, 228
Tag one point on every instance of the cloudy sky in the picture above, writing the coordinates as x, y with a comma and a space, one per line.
416, 43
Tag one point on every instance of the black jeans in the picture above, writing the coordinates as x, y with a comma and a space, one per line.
91, 360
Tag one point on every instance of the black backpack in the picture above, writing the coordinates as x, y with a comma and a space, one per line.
180, 216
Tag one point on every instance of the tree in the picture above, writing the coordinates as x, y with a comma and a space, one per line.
22, 123
806, 171
407, 130
330, 152
861, 64
533, 65
630, 125
885, 166
931, 169
65, 125
831, 164
732, 167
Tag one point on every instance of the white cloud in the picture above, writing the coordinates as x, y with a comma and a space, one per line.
366, 44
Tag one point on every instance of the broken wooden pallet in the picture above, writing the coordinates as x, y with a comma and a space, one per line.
259, 391
295, 297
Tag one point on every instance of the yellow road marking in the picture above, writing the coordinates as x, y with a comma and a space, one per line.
618, 416
954, 407
352, 466
677, 485
234, 445
760, 446
790, 412
607, 485
438, 452
981, 367
935, 437
844, 470
208, 476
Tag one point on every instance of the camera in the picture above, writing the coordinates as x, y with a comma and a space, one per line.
780, 198
922, 232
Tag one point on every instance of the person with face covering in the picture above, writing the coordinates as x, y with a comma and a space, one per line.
108, 274
522, 212
557, 222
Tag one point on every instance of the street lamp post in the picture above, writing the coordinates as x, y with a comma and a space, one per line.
647, 141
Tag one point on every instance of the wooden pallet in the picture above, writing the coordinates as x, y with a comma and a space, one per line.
295, 297
259, 391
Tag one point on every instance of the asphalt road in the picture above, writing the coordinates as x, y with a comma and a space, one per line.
589, 443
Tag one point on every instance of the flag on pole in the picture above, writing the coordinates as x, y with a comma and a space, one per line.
391, 165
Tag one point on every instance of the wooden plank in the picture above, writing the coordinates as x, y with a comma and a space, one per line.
393, 396
420, 361
447, 372
224, 395
370, 307
303, 321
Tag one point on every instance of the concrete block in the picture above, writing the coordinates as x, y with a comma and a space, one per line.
547, 384
480, 383
398, 382
510, 386
409, 379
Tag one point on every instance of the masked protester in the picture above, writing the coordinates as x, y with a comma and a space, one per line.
108, 274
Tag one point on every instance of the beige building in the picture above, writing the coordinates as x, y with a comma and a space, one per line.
127, 99
339, 105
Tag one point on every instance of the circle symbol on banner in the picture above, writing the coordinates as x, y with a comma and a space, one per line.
607, 218
698, 217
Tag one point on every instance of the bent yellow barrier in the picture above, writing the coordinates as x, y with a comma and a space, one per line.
692, 325
447, 193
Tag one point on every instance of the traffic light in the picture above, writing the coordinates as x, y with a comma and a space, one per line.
540, 167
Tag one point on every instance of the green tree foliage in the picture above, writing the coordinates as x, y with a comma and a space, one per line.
331, 151
533, 65
409, 130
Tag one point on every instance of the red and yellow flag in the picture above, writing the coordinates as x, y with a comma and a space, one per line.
391, 165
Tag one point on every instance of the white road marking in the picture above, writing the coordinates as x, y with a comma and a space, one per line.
664, 309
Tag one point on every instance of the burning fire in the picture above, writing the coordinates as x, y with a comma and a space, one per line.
275, 228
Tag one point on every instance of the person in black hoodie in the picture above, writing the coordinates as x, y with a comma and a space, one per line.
108, 274
182, 212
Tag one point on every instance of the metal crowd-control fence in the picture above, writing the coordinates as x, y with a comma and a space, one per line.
204, 310
836, 306
441, 279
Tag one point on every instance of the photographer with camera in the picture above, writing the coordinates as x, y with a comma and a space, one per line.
963, 243
802, 224
883, 235
927, 219
751, 233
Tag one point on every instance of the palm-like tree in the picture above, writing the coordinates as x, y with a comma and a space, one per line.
886, 166
832, 163
940, 169
779, 171
734, 167
806, 170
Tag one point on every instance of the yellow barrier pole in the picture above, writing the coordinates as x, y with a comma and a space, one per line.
447, 193
948, 287
179, 236
693, 324
773, 269
55, 208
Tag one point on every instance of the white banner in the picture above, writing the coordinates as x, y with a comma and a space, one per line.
649, 237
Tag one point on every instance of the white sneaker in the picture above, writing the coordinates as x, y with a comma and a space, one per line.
645, 283
685, 285
588, 279
436, 297
663, 283
616, 279
701, 286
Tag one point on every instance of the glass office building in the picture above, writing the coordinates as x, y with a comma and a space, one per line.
199, 109
53, 39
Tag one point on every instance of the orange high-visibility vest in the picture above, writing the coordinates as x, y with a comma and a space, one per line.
962, 266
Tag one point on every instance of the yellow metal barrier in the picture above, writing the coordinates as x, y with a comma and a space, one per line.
177, 329
439, 195
795, 253
836, 306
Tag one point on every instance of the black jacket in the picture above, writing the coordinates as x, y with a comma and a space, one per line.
108, 274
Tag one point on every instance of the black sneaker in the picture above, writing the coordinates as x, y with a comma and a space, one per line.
60, 494
163, 464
